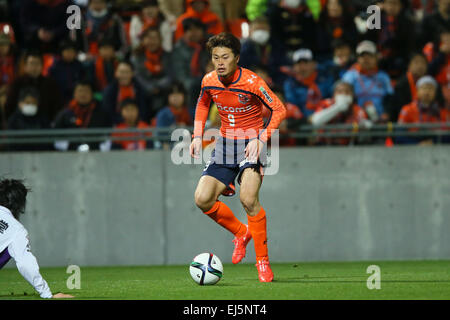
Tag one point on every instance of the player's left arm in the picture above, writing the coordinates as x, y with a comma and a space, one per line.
276, 107
277, 115
19, 249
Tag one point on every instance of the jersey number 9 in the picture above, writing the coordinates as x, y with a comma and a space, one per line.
231, 119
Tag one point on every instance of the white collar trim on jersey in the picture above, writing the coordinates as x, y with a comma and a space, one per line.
6, 210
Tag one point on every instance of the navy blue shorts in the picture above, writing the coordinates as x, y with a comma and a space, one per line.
228, 162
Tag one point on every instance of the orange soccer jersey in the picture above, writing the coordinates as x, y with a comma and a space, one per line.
411, 113
240, 105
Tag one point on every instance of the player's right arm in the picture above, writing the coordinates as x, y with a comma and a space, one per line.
201, 115
26, 262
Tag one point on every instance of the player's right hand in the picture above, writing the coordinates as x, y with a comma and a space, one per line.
195, 147
61, 295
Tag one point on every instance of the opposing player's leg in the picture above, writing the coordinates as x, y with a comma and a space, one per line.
206, 198
251, 180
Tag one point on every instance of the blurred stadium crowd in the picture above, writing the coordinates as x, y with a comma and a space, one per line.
139, 63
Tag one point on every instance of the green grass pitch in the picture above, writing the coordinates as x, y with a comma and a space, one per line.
293, 281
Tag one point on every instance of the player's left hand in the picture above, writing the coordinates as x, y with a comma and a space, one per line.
253, 150
61, 295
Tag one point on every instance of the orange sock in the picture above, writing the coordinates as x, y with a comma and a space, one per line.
258, 229
223, 215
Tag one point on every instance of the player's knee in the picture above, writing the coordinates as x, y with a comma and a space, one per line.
249, 202
204, 202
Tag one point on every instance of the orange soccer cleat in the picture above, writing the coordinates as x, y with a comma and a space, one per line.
240, 244
230, 190
265, 273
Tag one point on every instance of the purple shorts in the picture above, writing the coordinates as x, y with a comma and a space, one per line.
4, 257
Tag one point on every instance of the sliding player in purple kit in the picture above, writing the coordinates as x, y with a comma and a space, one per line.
14, 241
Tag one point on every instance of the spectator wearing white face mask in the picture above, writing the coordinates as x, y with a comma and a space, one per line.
260, 49
50, 98
340, 109
27, 117
342, 60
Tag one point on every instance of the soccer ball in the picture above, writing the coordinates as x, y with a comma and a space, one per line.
206, 269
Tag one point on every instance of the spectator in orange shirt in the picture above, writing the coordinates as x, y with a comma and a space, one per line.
153, 67
189, 59
150, 16
340, 109
125, 86
100, 71
101, 23
130, 115
405, 90
424, 109
82, 112
199, 9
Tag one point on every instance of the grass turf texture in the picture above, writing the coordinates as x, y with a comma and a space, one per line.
293, 281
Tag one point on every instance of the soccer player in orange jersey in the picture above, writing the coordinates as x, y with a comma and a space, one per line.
239, 95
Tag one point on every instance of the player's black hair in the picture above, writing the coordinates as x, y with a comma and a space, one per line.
13, 195
224, 39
